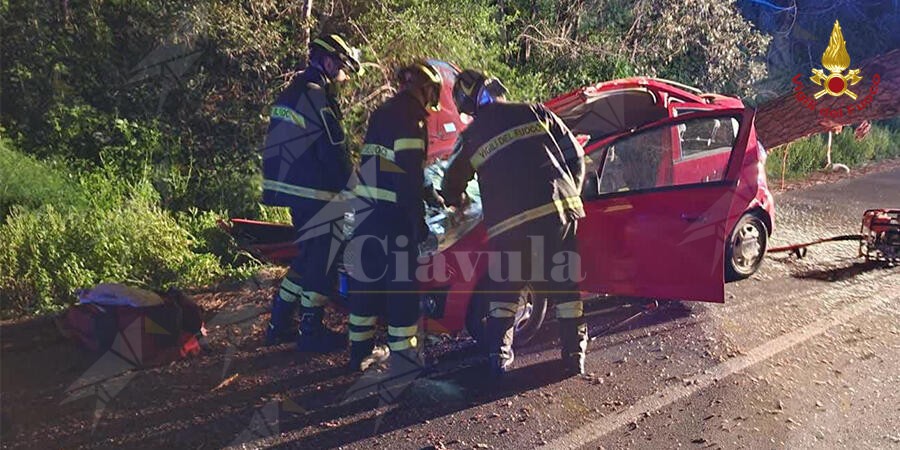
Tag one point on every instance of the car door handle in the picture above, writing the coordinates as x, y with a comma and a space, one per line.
693, 218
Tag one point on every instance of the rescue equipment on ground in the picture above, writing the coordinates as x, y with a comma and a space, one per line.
879, 237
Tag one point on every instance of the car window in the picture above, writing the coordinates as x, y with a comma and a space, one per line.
647, 160
706, 136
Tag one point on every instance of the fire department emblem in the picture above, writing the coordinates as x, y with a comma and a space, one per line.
836, 60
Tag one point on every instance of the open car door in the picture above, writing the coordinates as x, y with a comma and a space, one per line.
650, 232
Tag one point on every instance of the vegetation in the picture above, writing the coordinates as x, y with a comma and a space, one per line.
30, 183
808, 155
62, 232
574, 42
129, 128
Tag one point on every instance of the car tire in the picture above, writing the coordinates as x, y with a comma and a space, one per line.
746, 247
529, 318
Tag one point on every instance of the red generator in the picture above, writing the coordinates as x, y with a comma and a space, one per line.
880, 235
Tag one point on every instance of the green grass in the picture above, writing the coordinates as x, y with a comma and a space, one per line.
28, 182
808, 155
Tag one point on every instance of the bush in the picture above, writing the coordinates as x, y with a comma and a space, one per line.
81, 83
393, 33
880, 143
235, 189
808, 155
275, 214
208, 238
89, 138
60, 235
31, 183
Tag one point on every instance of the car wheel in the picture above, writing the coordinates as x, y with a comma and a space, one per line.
746, 248
529, 318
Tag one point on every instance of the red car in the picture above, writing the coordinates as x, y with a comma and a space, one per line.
676, 202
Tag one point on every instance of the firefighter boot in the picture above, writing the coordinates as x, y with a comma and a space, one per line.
574, 336
499, 339
314, 336
281, 322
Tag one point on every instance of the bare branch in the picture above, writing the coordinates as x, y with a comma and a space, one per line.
377, 92
379, 62
570, 46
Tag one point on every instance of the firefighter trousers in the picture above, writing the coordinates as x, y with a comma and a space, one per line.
312, 277
382, 279
542, 255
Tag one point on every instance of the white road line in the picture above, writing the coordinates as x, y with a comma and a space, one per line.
596, 429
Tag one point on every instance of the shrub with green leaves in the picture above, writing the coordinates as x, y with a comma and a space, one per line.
75, 235
89, 138
207, 237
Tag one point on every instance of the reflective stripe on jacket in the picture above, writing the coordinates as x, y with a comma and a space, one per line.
305, 159
529, 166
391, 172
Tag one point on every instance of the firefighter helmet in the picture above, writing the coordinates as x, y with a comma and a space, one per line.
423, 77
473, 89
334, 45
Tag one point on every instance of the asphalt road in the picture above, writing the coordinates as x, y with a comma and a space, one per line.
806, 353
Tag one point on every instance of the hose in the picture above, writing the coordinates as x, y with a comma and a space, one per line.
800, 249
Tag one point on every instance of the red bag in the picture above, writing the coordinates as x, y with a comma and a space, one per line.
145, 336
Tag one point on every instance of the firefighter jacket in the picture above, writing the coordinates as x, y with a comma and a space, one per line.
305, 158
529, 166
391, 175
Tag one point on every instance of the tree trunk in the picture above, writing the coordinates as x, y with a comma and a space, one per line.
525, 43
786, 118
563, 17
501, 14
306, 15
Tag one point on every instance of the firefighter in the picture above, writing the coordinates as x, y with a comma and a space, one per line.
530, 170
305, 167
391, 223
